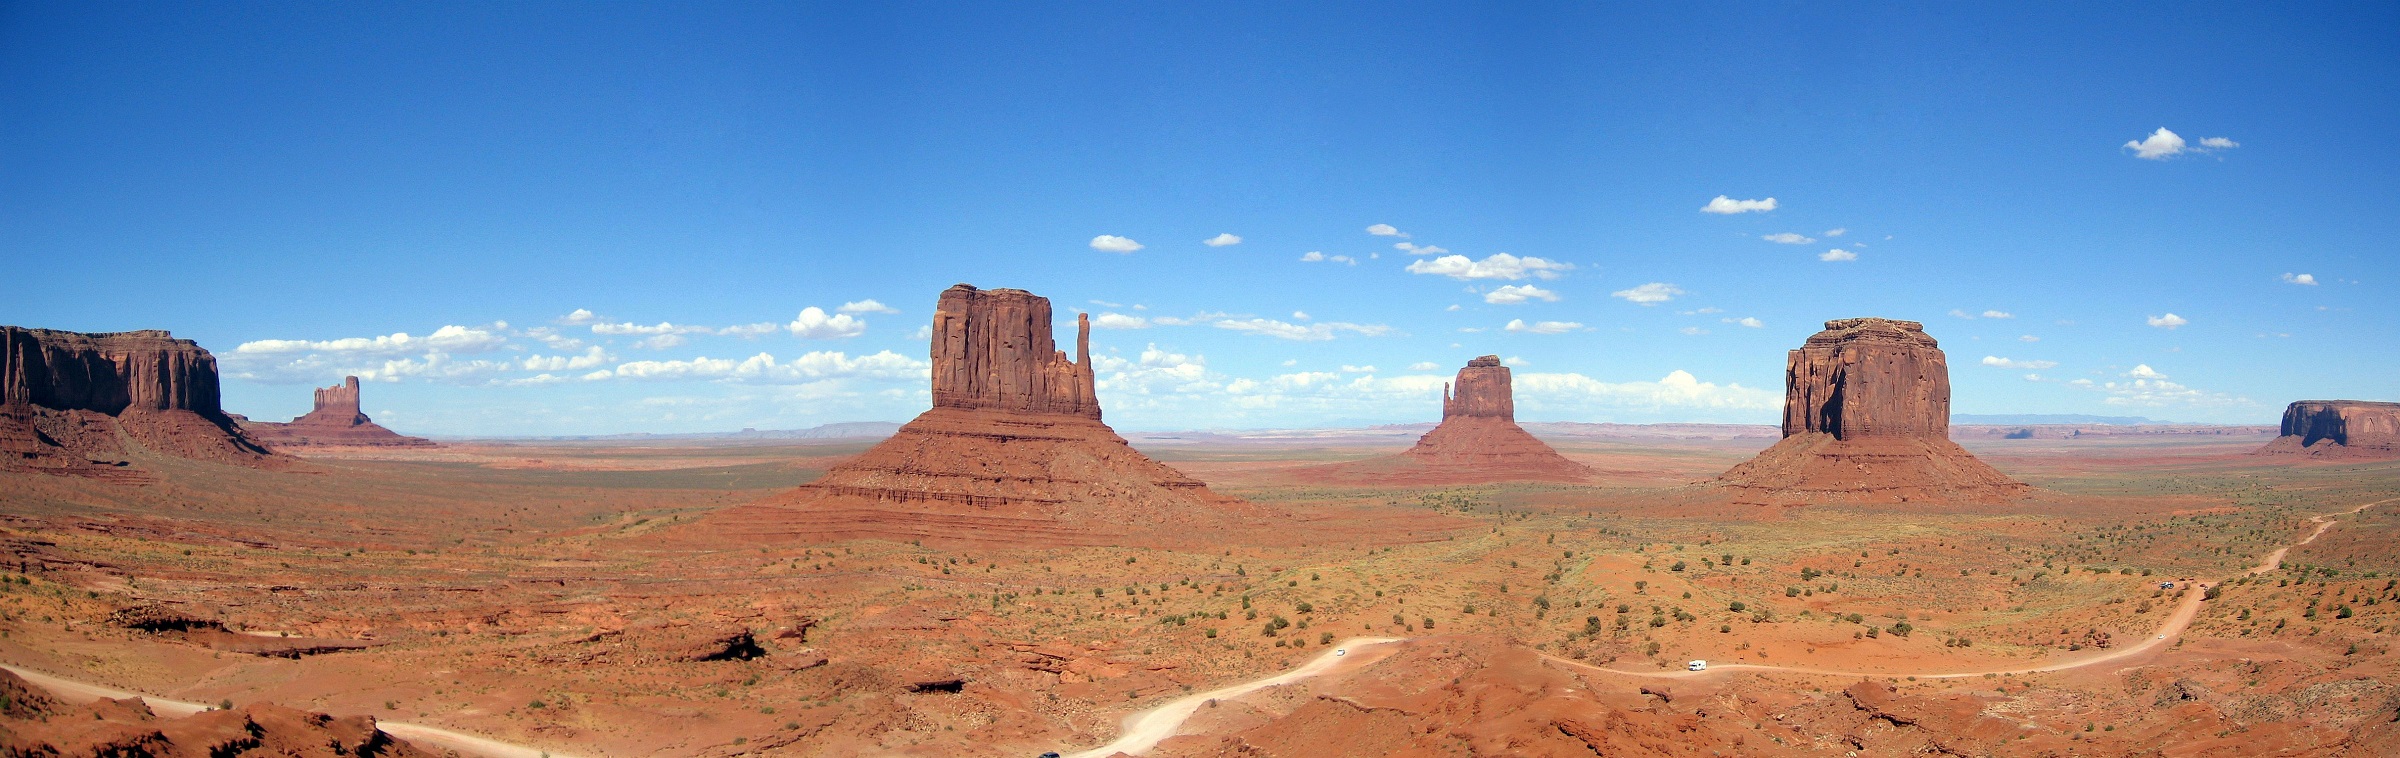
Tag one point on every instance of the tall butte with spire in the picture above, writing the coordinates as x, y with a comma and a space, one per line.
1477, 441
1866, 418
336, 421
1013, 450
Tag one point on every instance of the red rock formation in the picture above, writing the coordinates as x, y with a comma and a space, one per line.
1477, 441
72, 402
1866, 418
33, 723
1012, 451
2338, 429
335, 422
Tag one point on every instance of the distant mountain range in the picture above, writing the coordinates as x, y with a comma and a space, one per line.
2049, 418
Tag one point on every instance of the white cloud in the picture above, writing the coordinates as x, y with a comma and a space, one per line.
1300, 315
1649, 294
1728, 206
2218, 143
2149, 388
1313, 256
592, 358
1748, 321
1678, 389
2168, 321
753, 330
662, 327
1693, 330
1519, 326
1837, 254
1385, 230
2144, 371
1110, 243
1453, 307
1221, 240
866, 306
763, 368
1703, 311
550, 336
1788, 238
1498, 266
1424, 366
660, 342
814, 324
1512, 294
1415, 249
449, 339
1999, 362
1120, 321
1349, 369
1836, 232
1307, 333
2306, 280
2159, 146
578, 318
1998, 314
2029, 338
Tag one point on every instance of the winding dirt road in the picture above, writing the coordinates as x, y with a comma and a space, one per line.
1143, 730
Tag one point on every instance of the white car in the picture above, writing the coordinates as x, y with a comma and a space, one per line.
1339, 652
1696, 666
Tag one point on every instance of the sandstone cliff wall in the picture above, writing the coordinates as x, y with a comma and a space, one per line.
1868, 377
2339, 428
992, 350
69, 401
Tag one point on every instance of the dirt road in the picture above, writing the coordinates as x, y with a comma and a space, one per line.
1143, 730
426, 736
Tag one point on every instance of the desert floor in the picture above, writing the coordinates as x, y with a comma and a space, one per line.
531, 594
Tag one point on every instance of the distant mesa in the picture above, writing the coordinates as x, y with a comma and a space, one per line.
2338, 429
335, 422
84, 404
1013, 451
1478, 441
1866, 418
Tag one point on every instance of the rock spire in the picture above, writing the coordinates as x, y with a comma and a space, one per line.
1478, 441
336, 421
992, 350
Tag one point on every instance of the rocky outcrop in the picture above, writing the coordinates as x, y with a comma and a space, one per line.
1013, 451
2338, 429
335, 422
33, 723
1478, 441
1866, 418
76, 403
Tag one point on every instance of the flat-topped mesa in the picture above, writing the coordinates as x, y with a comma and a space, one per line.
1868, 377
1484, 389
335, 421
1012, 452
2338, 429
64, 396
992, 350
1866, 418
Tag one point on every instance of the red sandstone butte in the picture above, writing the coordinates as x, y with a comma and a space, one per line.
335, 422
1478, 441
1013, 451
1866, 418
2338, 429
76, 403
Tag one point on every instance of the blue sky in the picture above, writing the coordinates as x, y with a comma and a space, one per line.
298, 186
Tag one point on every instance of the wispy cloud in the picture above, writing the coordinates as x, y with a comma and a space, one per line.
866, 306
1788, 238
1837, 254
1119, 321
1649, 294
2164, 144
1512, 294
1999, 362
1416, 249
2305, 280
1497, 266
2168, 321
1541, 327
1317, 332
1386, 230
1110, 243
1222, 240
1313, 256
1728, 206
1746, 321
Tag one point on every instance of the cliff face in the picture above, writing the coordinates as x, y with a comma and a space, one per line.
2338, 429
1013, 451
1483, 390
1868, 377
1866, 418
70, 401
992, 350
335, 422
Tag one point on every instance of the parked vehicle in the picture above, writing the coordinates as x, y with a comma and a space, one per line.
1696, 666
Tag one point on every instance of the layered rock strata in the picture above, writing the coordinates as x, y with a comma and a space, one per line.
2338, 429
1866, 418
335, 422
76, 403
1013, 450
1478, 441
33, 722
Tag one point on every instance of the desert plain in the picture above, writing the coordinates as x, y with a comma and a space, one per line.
564, 597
